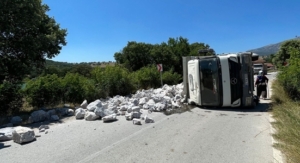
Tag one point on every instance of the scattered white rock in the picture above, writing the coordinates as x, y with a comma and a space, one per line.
62, 111
167, 99
175, 105
143, 100
102, 112
54, 118
135, 102
23, 135
90, 116
151, 102
6, 133
136, 114
105, 105
70, 112
109, 118
146, 106
158, 91
123, 108
16, 120
94, 105
120, 112
136, 109
157, 98
38, 116
160, 99
79, 113
112, 108
128, 116
160, 107
50, 113
136, 121
99, 111
129, 110
84, 104
148, 120
140, 94
43, 127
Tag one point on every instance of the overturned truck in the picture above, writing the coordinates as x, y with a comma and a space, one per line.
219, 80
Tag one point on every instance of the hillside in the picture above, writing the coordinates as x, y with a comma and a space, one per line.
51, 63
269, 49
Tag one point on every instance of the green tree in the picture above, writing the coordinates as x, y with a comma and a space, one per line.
27, 36
285, 51
137, 55
134, 55
161, 54
195, 47
269, 59
289, 76
178, 47
52, 70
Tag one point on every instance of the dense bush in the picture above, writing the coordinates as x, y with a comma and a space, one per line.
77, 88
146, 77
289, 76
112, 80
44, 91
10, 98
149, 77
82, 69
171, 78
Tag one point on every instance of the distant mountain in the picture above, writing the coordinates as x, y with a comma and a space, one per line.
269, 49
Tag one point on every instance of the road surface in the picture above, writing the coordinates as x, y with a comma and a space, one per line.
194, 136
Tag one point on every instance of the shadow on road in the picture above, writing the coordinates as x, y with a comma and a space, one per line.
38, 124
263, 106
2, 145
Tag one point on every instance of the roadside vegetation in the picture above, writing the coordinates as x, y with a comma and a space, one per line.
29, 80
286, 101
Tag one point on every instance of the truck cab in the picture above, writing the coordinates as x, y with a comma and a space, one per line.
219, 80
260, 67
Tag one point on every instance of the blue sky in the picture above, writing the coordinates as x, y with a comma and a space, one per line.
99, 28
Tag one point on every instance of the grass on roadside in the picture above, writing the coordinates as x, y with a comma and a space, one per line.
287, 115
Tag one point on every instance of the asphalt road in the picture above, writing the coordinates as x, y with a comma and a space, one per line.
196, 135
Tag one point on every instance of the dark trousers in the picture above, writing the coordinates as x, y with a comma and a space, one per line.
262, 90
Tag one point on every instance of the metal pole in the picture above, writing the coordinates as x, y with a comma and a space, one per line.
161, 78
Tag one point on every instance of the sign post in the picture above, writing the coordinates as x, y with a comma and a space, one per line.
160, 69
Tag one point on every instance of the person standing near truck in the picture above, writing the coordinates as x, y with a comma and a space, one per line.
261, 83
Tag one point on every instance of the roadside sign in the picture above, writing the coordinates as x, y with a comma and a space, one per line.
159, 67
